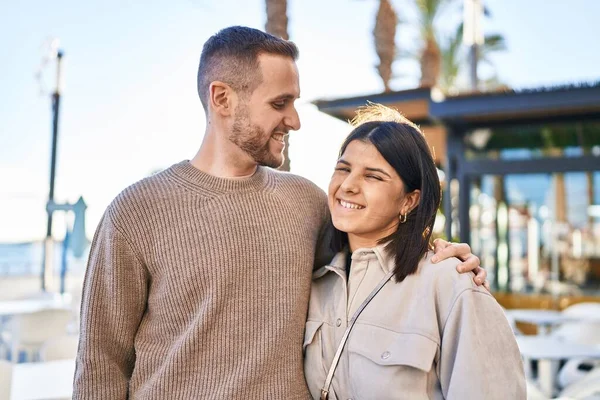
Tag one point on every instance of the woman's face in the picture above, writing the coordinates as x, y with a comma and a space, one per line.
366, 195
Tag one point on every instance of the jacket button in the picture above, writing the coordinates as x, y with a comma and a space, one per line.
338, 322
385, 355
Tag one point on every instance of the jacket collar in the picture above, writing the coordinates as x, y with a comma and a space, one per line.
338, 264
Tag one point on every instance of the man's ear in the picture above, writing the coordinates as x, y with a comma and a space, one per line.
222, 98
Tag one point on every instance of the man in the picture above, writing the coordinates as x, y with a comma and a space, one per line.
199, 276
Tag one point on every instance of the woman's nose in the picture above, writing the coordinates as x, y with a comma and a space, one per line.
350, 185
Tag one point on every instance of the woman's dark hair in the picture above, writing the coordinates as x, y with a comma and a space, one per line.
403, 146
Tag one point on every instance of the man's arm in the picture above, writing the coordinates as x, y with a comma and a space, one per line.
113, 303
462, 251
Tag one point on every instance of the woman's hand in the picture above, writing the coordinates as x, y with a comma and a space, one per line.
462, 251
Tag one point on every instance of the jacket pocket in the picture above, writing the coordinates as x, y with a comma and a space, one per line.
389, 365
314, 369
310, 331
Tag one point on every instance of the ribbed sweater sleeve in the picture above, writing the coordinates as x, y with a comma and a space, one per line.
114, 300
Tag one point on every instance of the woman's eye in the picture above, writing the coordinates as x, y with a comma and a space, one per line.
374, 177
343, 169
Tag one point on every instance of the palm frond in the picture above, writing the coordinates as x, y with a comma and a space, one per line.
492, 44
428, 10
452, 60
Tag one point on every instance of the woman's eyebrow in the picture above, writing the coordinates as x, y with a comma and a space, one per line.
378, 170
342, 161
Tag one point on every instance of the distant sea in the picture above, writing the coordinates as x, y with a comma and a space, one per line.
25, 259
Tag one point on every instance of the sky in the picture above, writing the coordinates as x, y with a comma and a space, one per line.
129, 105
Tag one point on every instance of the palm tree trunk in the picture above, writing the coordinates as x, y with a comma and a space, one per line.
385, 41
277, 20
431, 60
277, 25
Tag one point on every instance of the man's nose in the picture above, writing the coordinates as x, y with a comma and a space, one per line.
292, 119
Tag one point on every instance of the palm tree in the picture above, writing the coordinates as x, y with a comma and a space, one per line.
277, 20
431, 57
493, 43
454, 59
277, 25
384, 34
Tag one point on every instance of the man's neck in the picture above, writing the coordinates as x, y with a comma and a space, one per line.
223, 159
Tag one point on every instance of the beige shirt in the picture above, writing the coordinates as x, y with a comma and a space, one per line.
436, 335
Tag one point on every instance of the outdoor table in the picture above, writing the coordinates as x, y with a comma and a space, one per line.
543, 319
9, 308
549, 352
43, 380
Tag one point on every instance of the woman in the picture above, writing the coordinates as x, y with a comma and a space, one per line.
430, 333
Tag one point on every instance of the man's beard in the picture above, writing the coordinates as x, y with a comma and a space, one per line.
249, 138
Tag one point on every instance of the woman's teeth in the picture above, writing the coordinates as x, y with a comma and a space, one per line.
352, 206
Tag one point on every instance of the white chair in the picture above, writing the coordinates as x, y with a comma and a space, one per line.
533, 393
30, 331
584, 311
5, 379
59, 348
575, 370
587, 332
586, 388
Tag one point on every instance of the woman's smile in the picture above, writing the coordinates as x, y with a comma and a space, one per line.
349, 205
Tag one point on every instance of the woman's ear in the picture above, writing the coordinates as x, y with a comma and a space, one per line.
411, 201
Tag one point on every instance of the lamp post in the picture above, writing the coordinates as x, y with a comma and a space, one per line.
473, 35
48, 242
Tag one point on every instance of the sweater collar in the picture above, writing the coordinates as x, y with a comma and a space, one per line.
205, 181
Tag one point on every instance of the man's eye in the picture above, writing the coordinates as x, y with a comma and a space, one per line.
279, 104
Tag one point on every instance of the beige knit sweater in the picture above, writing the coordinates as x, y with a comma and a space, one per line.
197, 288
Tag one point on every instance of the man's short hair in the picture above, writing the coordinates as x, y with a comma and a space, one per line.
231, 56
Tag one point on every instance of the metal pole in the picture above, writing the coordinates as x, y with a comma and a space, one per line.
48, 245
473, 36
473, 67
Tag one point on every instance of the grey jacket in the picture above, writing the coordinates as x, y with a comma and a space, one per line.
436, 335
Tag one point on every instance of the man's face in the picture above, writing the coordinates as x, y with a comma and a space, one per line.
263, 118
